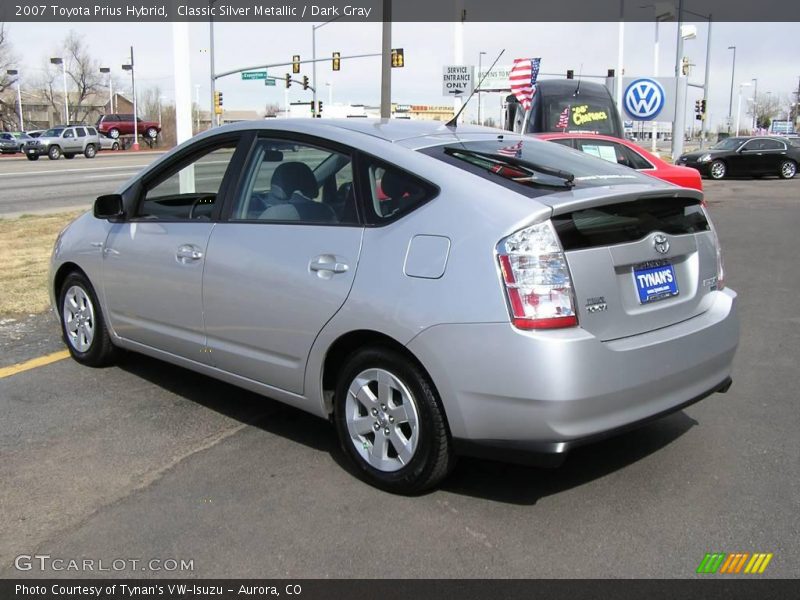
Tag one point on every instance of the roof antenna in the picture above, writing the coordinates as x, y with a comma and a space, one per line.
578, 87
454, 121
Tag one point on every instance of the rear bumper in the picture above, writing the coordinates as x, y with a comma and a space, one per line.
510, 394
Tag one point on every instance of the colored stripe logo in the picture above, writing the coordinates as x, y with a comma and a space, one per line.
734, 563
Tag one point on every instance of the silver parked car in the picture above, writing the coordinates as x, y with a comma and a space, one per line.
64, 141
433, 291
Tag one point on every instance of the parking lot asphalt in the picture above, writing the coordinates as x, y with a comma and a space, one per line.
148, 461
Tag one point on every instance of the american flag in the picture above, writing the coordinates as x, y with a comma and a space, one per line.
514, 150
563, 119
523, 79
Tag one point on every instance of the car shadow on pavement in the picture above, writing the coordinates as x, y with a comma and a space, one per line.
515, 484
495, 481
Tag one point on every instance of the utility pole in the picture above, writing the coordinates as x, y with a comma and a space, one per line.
211, 111
680, 111
733, 74
386, 61
704, 117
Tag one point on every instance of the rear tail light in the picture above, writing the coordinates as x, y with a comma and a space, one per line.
717, 247
536, 278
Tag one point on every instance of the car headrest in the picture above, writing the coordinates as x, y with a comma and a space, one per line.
396, 185
291, 177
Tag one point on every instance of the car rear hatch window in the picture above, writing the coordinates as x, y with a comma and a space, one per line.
508, 161
640, 265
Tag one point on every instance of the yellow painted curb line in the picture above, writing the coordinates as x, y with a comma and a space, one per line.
33, 363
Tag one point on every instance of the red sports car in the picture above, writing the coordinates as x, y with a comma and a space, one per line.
628, 154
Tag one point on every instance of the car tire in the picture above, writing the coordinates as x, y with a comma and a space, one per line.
32, 156
82, 325
70, 155
54, 153
90, 151
151, 133
395, 431
717, 169
113, 133
115, 146
788, 169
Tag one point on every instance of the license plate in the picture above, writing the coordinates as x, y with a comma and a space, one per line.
655, 282
31, 151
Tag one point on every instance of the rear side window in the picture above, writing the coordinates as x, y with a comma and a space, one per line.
91, 130
81, 131
629, 222
393, 192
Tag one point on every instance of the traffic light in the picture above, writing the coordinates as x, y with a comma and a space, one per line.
337, 61
703, 107
319, 109
218, 103
296, 64
611, 73
685, 66
398, 60
697, 107
305, 82
288, 80
570, 74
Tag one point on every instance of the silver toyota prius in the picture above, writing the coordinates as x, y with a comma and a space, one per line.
433, 291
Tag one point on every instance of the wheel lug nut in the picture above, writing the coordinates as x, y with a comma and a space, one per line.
383, 407
377, 426
374, 412
391, 419
386, 431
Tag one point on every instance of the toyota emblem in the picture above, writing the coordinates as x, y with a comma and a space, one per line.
661, 243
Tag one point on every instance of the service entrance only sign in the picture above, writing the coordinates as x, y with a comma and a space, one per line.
457, 80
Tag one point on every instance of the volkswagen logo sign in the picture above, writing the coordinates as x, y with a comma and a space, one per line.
644, 99
661, 243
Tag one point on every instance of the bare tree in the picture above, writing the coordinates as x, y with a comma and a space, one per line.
769, 107
8, 100
148, 102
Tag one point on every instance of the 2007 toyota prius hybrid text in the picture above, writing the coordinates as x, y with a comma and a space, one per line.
433, 291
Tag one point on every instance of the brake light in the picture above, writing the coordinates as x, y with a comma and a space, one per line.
536, 279
717, 247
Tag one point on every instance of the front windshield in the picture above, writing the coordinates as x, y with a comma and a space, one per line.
55, 132
589, 115
728, 144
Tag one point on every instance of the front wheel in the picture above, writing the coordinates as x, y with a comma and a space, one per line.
391, 423
54, 153
788, 169
152, 133
82, 324
115, 146
114, 133
90, 151
717, 169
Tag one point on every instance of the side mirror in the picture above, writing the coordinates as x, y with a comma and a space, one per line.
109, 207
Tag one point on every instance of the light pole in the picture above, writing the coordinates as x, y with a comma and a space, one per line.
755, 103
314, 61
730, 100
110, 89
197, 109
13, 72
60, 61
129, 67
480, 57
329, 85
739, 106
212, 112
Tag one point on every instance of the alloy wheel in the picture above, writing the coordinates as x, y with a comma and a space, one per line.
382, 420
79, 319
788, 170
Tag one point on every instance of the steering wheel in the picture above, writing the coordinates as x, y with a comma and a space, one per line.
201, 201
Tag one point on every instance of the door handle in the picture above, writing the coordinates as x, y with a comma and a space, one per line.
326, 265
187, 253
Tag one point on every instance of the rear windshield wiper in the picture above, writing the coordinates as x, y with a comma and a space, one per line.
513, 168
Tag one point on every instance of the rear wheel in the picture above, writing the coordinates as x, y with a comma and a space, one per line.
90, 151
788, 169
390, 422
717, 169
115, 146
151, 133
82, 323
113, 133
54, 153
33, 156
